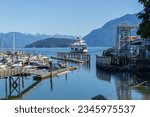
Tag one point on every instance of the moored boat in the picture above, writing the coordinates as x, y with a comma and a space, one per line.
79, 46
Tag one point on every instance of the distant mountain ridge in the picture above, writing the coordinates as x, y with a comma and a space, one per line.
105, 36
50, 42
23, 39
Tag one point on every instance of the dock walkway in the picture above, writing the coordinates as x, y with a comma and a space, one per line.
73, 57
10, 72
45, 74
71, 60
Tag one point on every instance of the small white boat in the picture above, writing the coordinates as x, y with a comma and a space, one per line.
79, 46
17, 65
3, 67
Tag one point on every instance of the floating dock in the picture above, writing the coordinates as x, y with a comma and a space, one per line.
43, 75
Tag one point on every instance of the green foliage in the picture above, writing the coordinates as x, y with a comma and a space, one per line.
51, 42
144, 27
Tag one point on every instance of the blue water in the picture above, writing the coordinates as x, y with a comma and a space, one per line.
82, 84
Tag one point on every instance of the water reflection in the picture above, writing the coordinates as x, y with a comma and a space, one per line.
51, 84
103, 75
122, 81
6, 89
145, 88
84, 66
66, 77
127, 85
15, 87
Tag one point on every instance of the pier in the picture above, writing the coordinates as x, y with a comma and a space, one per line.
123, 63
11, 72
130, 54
73, 57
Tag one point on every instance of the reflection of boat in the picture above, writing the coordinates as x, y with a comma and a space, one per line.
79, 46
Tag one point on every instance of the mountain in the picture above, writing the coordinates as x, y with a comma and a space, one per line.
62, 36
23, 39
105, 36
51, 42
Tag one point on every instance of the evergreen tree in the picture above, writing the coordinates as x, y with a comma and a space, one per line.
144, 27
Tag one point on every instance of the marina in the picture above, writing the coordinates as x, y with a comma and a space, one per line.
63, 57
23, 73
86, 82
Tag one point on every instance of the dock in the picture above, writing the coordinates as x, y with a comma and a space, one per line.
130, 53
10, 72
123, 63
44, 74
38, 74
73, 57
66, 59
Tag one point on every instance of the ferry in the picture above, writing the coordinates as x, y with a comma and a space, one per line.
79, 46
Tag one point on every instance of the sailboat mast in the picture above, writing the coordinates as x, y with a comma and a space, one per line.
14, 42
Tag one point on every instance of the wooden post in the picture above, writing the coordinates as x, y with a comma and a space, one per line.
28, 58
51, 69
19, 89
57, 54
65, 61
51, 82
10, 86
6, 89
89, 58
22, 81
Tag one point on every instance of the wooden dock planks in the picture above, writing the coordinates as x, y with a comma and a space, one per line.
10, 72
43, 75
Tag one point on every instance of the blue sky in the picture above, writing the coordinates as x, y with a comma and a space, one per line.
73, 17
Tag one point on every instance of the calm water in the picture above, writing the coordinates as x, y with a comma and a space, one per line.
82, 84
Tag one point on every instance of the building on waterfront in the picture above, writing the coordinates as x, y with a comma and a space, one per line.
130, 51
